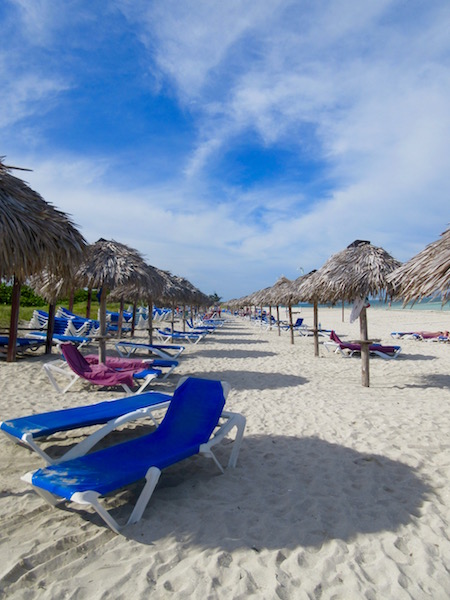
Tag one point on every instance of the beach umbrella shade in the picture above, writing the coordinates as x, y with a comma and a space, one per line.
52, 287
108, 265
142, 290
357, 272
285, 293
426, 275
34, 236
302, 283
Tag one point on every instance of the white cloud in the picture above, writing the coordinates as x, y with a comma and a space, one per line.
368, 82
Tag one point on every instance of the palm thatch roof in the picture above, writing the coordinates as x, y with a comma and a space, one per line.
108, 265
34, 235
358, 271
140, 289
282, 292
111, 264
426, 275
51, 286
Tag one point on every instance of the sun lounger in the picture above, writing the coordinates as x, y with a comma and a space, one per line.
166, 351
97, 374
428, 336
113, 413
190, 426
118, 362
296, 326
59, 339
22, 344
348, 349
167, 335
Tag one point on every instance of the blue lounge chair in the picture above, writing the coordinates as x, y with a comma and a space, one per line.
167, 334
112, 412
187, 429
22, 344
58, 338
166, 351
298, 323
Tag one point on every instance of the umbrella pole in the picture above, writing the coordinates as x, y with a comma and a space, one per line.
71, 299
102, 319
88, 303
291, 324
120, 321
278, 320
364, 347
50, 328
14, 320
316, 330
133, 319
150, 321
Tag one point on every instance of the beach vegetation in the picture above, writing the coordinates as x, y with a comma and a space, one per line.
30, 301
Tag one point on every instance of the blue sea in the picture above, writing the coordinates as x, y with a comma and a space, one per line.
425, 305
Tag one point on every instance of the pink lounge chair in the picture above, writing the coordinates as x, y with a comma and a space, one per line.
428, 336
102, 374
349, 349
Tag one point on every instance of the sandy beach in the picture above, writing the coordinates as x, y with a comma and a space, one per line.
341, 492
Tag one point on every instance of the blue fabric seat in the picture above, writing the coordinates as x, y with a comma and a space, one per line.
29, 428
191, 418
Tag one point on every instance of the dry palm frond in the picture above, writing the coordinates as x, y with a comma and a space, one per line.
426, 275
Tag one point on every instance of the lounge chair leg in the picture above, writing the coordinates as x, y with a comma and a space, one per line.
240, 422
90, 498
152, 478
47, 496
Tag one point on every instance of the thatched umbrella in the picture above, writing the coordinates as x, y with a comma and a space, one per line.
358, 271
283, 292
143, 290
110, 264
426, 275
303, 284
51, 287
34, 236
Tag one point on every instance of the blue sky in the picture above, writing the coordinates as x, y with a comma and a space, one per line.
233, 142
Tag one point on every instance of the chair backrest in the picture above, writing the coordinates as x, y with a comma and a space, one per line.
75, 360
335, 338
194, 411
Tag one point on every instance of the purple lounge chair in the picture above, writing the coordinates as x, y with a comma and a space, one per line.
102, 374
348, 349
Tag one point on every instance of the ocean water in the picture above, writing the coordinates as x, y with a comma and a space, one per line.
425, 305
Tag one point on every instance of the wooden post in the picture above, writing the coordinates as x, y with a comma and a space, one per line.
278, 320
71, 299
14, 320
102, 341
88, 303
342, 310
120, 320
50, 328
316, 329
133, 319
364, 347
291, 324
150, 320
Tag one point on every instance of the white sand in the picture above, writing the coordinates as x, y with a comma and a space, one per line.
341, 492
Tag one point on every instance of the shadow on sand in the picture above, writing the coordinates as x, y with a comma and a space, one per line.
286, 492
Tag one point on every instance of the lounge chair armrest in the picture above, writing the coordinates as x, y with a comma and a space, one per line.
88, 443
232, 420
